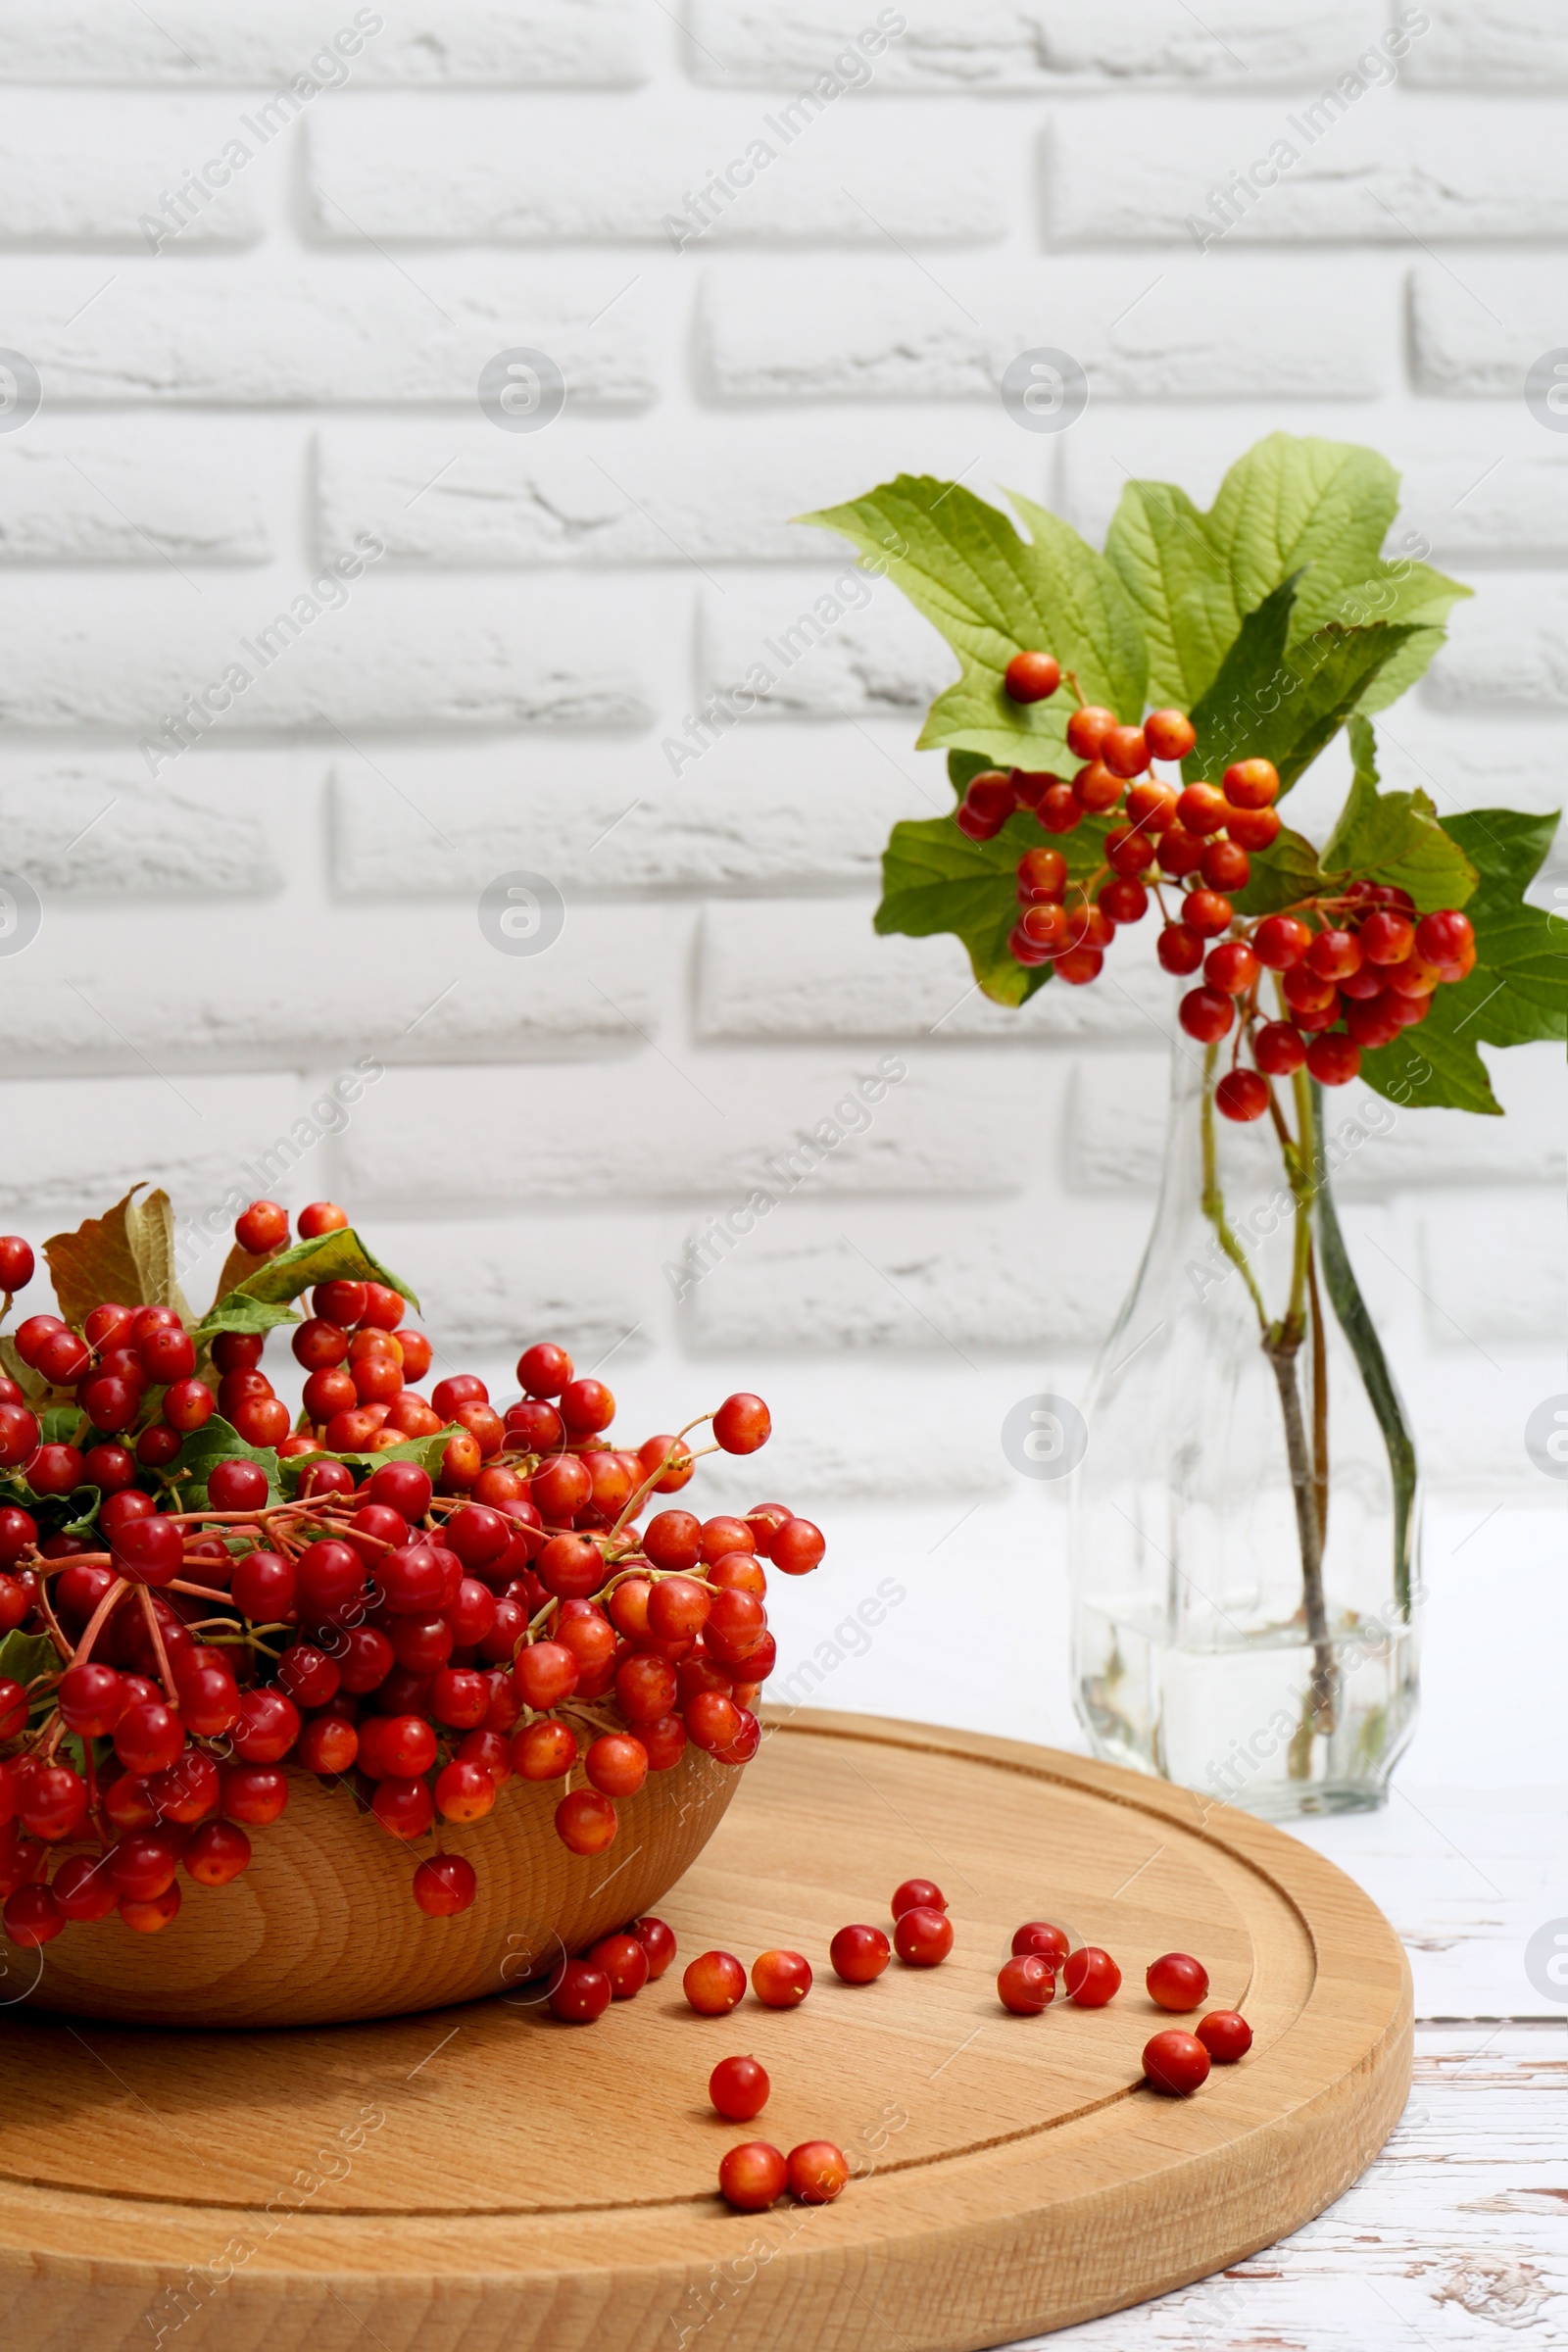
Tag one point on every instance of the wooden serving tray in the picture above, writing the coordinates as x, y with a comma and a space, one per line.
484, 2178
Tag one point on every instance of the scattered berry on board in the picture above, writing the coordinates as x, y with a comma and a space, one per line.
1176, 1980
1026, 1985
1176, 2062
1091, 1976
781, 1979
738, 2089
1225, 2035
859, 1955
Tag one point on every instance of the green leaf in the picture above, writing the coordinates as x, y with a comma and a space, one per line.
935, 878
214, 1443
240, 1312
1523, 946
1184, 598
60, 1424
1281, 875
427, 1451
71, 1514
963, 767
1518, 991
1275, 699
80, 1512
238, 1264
25, 1657
1394, 837
258, 1301
992, 594
1358, 1328
1317, 510
150, 1232
1412, 595
34, 1387
1431, 1072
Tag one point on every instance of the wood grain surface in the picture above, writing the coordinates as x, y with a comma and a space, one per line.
324, 1927
486, 2177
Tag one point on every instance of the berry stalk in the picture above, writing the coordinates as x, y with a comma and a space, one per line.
1282, 1339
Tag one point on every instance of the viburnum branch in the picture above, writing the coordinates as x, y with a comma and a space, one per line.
635, 1500
100, 1617
52, 1622
156, 1632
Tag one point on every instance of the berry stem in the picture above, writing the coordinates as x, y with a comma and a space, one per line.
1213, 1199
100, 1618
156, 1634
639, 1496
1282, 1343
56, 1633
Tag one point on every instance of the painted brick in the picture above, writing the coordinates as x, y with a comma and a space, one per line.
683, 1125
1477, 329
1117, 1127
592, 823
278, 333
81, 1002
1368, 171
901, 1448
1469, 1428
1507, 646
1139, 333
1494, 44
87, 651
1042, 45
88, 496
806, 968
95, 826
467, 43
565, 170
642, 492
1468, 761
1502, 496
826, 1464
1495, 1271
876, 656
86, 169
933, 1283
70, 1149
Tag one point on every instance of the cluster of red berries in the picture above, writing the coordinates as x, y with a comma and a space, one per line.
1357, 967
132, 1370
1173, 2061
1353, 969
428, 1638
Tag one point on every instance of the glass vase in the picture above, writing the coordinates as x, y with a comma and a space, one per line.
1246, 1517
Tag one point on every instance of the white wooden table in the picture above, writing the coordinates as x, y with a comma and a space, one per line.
1457, 2236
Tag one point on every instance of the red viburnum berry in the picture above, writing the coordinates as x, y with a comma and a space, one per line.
1207, 1014
1031, 677
1251, 783
1241, 1095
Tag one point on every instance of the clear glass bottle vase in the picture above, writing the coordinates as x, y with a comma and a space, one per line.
1245, 1518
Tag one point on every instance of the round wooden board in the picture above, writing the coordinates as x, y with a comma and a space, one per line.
482, 2177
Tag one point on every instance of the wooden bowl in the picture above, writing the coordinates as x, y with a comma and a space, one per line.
324, 1929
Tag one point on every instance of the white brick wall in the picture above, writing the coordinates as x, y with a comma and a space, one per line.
244, 379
